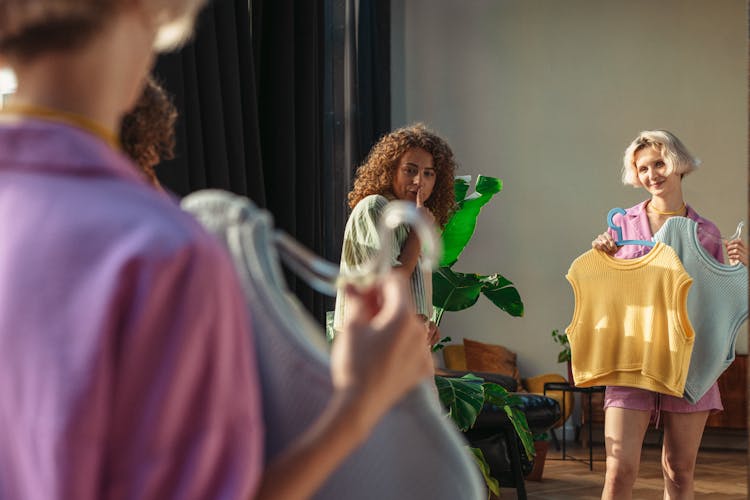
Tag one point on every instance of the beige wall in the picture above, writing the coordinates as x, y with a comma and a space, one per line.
546, 94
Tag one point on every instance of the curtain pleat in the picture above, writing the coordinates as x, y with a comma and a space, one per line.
249, 89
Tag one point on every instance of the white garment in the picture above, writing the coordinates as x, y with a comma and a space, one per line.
413, 453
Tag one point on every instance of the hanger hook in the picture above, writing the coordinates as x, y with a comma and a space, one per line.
618, 229
611, 223
396, 213
738, 232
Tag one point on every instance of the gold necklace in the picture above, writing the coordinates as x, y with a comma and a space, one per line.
58, 115
667, 212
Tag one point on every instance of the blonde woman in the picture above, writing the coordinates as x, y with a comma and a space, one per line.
126, 357
657, 161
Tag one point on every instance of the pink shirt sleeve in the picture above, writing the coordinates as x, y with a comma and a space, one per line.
186, 419
125, 345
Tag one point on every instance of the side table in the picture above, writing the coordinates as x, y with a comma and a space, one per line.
566, 387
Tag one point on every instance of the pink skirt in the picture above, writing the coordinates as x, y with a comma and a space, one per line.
631, 398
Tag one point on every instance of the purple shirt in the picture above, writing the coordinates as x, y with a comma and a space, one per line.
127, 365
635, 226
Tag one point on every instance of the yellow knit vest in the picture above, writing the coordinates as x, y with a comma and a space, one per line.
630, 325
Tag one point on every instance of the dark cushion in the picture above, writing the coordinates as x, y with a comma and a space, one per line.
541, 414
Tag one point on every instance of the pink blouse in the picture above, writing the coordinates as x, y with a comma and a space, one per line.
127, 362
635, 226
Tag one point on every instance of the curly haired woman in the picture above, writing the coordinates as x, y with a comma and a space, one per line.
413, 164
147, 131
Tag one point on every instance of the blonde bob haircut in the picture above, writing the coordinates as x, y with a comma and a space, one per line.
676, 156
32, 27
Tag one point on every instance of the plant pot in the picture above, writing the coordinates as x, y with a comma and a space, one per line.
570, 374
541, 448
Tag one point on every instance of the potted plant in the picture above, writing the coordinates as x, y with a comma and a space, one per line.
564, 355
541, 446
465, 397
454, 291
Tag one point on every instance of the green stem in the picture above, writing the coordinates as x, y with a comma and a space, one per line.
439, 315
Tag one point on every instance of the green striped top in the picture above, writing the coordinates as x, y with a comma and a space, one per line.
362, 242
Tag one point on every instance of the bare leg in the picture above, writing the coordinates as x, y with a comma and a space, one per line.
682, 438
623, 438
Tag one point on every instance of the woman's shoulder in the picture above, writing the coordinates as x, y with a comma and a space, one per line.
705, 225
374, 199
637, 210
373, 203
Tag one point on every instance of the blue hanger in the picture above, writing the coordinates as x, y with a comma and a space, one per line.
619, 241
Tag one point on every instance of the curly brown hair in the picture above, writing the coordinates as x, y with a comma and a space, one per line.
147, 132
375, 175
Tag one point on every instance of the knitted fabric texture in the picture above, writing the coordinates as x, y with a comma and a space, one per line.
630, 325
717, 305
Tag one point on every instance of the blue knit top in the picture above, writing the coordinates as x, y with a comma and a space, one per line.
717, 305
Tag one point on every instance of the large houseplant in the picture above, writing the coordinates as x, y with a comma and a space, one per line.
454, 291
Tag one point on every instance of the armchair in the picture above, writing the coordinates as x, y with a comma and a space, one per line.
493, 432
504, 362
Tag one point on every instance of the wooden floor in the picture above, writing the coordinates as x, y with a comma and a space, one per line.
719, 475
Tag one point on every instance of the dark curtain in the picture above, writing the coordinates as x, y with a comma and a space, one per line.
373, 73
287, 46
254, 92
212, 82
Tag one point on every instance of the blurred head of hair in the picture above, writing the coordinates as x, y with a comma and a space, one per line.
29, 28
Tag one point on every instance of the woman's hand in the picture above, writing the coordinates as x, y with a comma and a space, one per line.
433, 333
426, 212
412, 247
605, 243
737, 251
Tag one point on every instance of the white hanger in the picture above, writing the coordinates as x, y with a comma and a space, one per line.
325, 277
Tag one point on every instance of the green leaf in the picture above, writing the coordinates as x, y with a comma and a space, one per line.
563, 356
461, 187
488, 185
521, 425
501, 292
460, 226
492, 484
452, 291
562, 339
497, 395
464, 398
